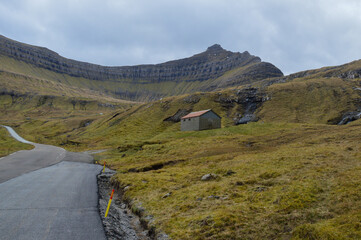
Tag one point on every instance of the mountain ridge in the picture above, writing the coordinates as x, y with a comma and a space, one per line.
130, 81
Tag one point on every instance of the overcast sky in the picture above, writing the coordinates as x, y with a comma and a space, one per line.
294, 35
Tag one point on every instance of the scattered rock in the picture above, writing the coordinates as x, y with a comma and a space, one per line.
230, 172
149, 218
209, 176
138, 209
167, 195
162, 236
107, 105
260, 189
206, 221
351, 74
349, 117
213, 197
240, 183
192, 99
178, 115
246, 119
126, 188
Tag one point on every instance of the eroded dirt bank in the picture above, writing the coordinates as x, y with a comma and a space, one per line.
120, 223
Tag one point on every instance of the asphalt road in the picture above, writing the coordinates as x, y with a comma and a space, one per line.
48, 193
26, 161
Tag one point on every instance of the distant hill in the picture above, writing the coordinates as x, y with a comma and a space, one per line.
211, 70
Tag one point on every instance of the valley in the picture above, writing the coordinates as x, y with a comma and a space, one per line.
285, 164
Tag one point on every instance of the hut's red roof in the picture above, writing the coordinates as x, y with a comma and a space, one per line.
196, 114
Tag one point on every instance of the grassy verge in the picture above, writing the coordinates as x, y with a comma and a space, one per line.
273, 181
9, 145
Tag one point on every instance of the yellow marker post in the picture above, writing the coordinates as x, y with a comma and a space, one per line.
104, 167
110, 201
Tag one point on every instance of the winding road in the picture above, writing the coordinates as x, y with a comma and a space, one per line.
48, 193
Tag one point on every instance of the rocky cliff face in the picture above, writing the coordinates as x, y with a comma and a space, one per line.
211, 64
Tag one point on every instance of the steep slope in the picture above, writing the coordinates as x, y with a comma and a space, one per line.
327, 95
206, 71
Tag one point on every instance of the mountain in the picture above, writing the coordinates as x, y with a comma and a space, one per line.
293, 170
211, 70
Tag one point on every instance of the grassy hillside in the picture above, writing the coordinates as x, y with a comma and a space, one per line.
316, 100
9, 145
293, 174
45, 118
288, 176
273, 181
30, 94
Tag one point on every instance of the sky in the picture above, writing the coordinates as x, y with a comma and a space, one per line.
294, 35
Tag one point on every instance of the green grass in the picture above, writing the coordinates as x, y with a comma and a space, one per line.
276, 179
289, 180
291, 175
319, 100
9, 145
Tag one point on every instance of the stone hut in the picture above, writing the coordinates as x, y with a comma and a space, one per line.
201, 120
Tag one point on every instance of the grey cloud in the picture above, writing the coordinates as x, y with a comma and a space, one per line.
293, 35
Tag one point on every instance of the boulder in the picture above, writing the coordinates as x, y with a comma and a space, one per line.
209, 176
167, 195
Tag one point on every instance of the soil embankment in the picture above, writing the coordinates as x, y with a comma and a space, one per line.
120, 223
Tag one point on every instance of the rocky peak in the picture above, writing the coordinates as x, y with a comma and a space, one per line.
215, 48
